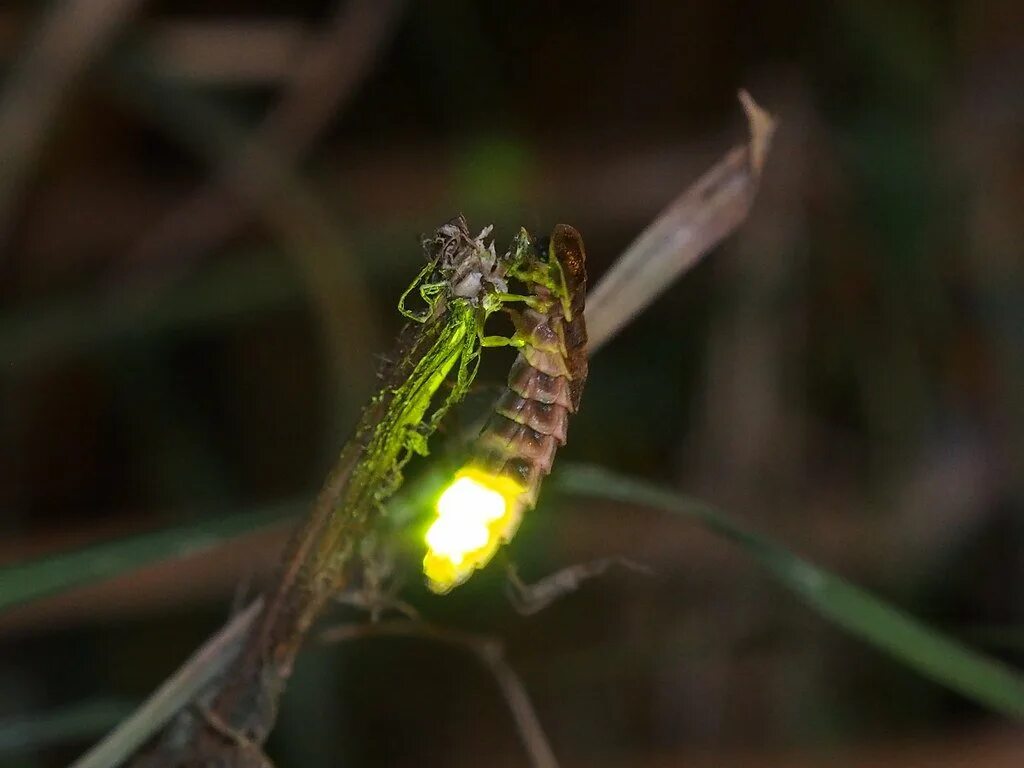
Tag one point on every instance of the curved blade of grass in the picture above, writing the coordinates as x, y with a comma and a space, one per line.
32, 580
978, 677
691, 226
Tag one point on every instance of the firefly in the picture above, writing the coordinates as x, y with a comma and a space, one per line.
482, 506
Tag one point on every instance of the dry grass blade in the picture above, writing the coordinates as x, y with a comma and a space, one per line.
68, 39
691, 226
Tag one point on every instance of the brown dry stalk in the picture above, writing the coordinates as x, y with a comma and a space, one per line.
692, 225
244, 702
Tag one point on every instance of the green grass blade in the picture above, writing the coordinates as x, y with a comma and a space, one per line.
22, 582
1006, 637
984, 680
26, 733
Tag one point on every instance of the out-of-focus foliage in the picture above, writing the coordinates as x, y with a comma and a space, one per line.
847, 373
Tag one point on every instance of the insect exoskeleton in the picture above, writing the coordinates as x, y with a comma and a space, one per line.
483, 505
469, 264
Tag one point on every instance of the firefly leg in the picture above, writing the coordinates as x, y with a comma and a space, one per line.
428, 292
486, 340
378, 592
469, 364
533, 302
377, 604
528, 599
501, 341
415, 437
252, 754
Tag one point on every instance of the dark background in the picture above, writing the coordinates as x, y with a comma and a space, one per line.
846, 373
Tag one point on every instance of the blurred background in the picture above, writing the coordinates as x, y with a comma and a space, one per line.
209, 209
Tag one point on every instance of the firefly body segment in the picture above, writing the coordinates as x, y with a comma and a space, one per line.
515, 451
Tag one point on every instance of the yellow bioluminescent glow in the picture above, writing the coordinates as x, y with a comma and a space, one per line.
463, 513
475, 514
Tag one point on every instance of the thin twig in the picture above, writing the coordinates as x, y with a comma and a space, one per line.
693, 224
490, 652
523, 712
68, 39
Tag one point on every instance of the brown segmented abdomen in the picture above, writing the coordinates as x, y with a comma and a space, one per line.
531, 419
